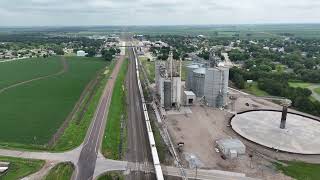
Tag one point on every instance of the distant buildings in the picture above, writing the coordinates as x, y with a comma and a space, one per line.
81, 53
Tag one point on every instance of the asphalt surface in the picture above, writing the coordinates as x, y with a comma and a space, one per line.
88, 156
138, 149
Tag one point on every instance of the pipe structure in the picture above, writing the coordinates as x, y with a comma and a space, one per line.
284, 117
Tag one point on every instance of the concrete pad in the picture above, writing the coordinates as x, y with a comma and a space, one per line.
263, 127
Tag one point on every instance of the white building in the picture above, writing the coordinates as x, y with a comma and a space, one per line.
231, 148
81, 53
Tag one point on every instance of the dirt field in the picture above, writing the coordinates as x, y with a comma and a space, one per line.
200, 129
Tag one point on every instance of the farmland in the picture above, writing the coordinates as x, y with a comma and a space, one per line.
32, 112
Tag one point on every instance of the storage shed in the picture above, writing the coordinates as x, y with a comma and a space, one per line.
189, 98
231, 148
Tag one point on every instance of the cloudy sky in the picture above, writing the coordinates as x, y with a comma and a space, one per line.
156, 12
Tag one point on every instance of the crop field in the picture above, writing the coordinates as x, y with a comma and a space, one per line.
40, 96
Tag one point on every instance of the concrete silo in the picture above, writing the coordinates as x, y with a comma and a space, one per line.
190, 68
198, 81
216, 86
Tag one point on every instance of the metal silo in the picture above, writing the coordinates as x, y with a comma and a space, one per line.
167, 94
198, 81
216, 86
190, 68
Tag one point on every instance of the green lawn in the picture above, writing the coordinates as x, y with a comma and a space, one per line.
76, 131
112, 176
20, 168
62, 171
317, 90
117, 110
299, 84
32, 113
301, 170
254, 90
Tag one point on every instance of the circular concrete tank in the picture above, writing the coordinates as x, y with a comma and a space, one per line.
300, 136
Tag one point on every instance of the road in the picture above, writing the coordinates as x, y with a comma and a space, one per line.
138, 149
88, 156
314, 93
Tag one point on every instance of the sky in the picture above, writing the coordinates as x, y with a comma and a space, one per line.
156, 12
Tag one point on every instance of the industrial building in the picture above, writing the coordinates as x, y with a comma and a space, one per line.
168, 82
209, 81
81, 53
188, 98
231, 148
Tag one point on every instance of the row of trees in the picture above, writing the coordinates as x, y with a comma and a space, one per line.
276, 84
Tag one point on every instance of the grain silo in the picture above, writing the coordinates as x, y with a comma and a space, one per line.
216, 86
198, 81
167, 94
190, 68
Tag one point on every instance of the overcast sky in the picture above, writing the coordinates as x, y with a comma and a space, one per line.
156, 12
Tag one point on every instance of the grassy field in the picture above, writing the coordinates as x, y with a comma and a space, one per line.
317, 90
149, 67
62, 171
254, 90
117, 110
17, 71
32, 113
76, 131
112, 176
301, 170
299, 84
20, 168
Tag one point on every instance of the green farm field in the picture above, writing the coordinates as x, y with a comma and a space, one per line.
33, 111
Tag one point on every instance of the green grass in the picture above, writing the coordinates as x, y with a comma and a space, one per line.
301, 170
62, 171
20, 168
254, 90
32, 113
112, 176
17, 71
117, 110
149, 67
299, 84
317, 90
76, 131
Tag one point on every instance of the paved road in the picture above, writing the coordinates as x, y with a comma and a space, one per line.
88, 156
138, 145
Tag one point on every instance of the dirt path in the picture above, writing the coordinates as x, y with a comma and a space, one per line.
63, 70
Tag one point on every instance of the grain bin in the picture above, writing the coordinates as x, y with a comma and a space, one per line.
216, 86
190, 68
167, 94
198, 81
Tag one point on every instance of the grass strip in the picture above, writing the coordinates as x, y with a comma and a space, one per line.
62, 171
117, 110
112, 176
300, 170
20, 168
76, 131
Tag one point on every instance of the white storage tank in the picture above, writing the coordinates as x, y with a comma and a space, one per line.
198, 81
